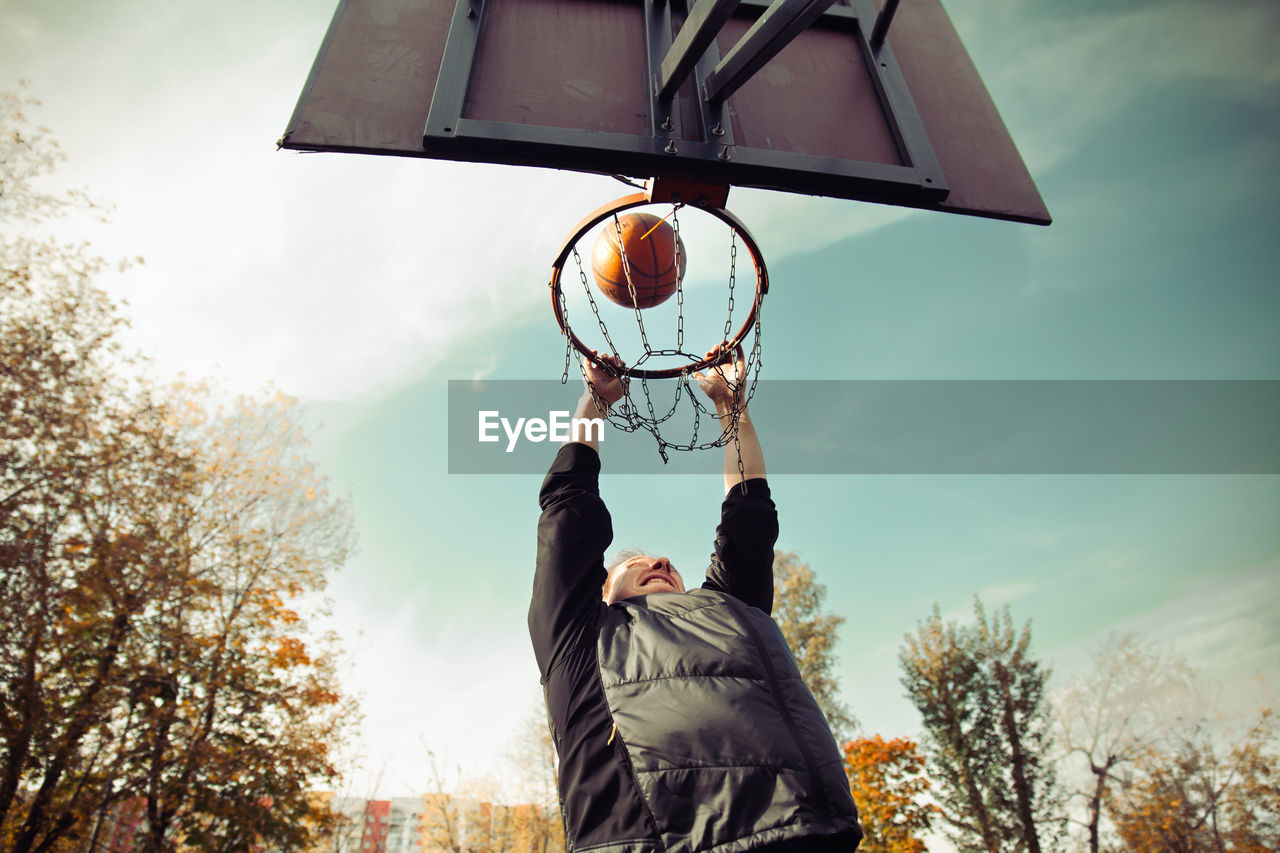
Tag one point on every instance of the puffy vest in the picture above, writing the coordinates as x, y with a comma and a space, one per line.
728, 747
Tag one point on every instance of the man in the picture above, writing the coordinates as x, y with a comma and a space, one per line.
679, 716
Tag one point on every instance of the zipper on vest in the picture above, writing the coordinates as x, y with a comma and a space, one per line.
620, 750
622, 754
811, 765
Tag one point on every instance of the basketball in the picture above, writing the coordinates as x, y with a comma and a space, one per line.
654, 258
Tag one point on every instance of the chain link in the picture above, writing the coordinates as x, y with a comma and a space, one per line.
679, 255
564, 313
631, 289
737, 448
595, 309
733, 277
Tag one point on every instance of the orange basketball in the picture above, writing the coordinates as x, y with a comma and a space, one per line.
654, 259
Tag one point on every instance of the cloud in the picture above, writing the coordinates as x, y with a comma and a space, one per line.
23, 27
428, 680
1066, 73
334, 276
1226, 626
993, 597
788, 224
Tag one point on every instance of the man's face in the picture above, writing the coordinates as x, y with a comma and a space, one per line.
641, 576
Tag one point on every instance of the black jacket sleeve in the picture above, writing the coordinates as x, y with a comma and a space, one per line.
573, 533
742, 563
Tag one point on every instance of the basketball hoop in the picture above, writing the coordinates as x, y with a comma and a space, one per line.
696, 362
628, 416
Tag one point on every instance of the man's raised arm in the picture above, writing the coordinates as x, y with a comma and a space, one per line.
574, 529
742, 563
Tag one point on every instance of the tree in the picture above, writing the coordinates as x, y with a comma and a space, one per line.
160, 555
1113, 717
519, 814
262, 709
27, 155
887, 780
86, 469
1165, 771
982, 699
1197, 792
461, 817
812, 636
531, 823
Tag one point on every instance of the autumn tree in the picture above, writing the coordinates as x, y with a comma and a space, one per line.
1158, 767
519, 812
1114, 716
888, 783
812, 635
458, 813
86, 471
158, 559
982, 699
255, 707
530, 821
1201, 789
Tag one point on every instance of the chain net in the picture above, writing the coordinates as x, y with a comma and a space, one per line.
636, 410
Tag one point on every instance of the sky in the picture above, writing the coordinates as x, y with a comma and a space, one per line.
363, 285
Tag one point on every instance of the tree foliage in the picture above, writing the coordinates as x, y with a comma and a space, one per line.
520, 816
533, 822
888, 783
519, 813
1198, 789
982, 699
1156, 766
1113, 716
159, 555
812, 635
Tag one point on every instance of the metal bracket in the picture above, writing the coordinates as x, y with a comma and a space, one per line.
664, 110
883, 20
671, 191
771, 32
450, 93
699, 30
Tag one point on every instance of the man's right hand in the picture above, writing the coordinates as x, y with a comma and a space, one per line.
604, 385
723, 382
604, 373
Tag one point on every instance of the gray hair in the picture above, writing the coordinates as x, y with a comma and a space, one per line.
621, 556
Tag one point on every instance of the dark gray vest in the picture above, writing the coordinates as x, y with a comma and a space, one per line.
727, 745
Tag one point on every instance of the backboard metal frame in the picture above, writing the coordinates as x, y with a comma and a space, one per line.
688, 99
708, 154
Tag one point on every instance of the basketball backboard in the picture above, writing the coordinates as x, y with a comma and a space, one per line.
823, 97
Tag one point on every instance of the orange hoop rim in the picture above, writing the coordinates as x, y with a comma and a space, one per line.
640, 200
